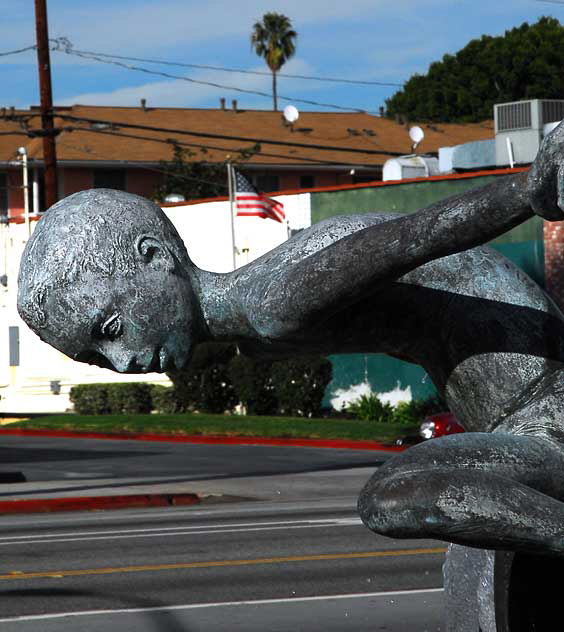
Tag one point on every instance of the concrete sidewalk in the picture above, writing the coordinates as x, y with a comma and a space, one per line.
57, 495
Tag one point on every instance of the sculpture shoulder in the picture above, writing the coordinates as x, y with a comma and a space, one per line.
261, 283
328, 231
316, 238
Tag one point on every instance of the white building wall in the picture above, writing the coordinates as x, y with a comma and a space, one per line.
205, 229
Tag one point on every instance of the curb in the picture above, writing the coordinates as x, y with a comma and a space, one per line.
84, 503
343, 444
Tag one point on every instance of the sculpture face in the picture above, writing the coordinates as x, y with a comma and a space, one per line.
105, 279
135, 324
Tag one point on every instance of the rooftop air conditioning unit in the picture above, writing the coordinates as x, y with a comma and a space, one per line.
520, 127
412, 166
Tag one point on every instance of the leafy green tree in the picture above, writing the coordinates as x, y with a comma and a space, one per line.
527, 62
194, 177
274, 40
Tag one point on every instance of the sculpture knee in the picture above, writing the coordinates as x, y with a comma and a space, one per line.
391, 505
404, 504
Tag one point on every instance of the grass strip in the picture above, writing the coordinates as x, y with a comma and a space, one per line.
223, 425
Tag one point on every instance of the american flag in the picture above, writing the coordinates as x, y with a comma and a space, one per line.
250, 202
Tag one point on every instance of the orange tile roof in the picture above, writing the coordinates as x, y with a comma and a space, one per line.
335, 129
12, 136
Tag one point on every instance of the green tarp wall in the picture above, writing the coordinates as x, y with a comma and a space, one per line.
523, 245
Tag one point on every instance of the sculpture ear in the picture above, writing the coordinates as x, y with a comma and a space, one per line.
154, 252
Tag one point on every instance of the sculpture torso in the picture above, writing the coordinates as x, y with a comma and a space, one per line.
488, 336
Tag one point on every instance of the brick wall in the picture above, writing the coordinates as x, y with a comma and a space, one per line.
554, 260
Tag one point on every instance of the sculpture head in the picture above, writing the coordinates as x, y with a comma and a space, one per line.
106, 279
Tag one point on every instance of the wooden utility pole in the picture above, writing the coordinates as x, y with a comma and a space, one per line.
46, 103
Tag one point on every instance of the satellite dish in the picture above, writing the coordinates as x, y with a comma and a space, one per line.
417, 135
291, 114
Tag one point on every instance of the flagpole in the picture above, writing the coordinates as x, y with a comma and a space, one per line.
231, 196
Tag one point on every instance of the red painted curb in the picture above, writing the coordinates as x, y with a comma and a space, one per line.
348, 444
45, 505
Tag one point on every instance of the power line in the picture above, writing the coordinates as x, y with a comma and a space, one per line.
19, 50
70, 51
552, 1
163, 171
244, 139
61, 45
172, 141
257, 141
164, 62
34, 132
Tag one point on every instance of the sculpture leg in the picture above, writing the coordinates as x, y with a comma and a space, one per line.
494, 491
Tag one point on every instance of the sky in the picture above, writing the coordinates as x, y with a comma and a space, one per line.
369, 40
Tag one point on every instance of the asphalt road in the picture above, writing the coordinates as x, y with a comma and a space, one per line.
267, 566
48, 459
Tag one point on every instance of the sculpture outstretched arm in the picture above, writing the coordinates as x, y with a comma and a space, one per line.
358, 265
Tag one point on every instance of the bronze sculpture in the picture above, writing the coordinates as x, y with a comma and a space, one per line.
106, 279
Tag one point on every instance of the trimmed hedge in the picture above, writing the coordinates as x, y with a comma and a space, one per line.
90, 399
164, 400
129, 398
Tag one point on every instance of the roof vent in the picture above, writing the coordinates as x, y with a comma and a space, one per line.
144, 105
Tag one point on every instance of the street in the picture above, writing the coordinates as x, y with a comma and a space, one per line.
302, 565
276, 545
56, 459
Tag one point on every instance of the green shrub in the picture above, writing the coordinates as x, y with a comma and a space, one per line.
431, 405
128, 398
215, 381
370, 408
253, 386
185, 390
205, 384
299, 384
217, 394
406, 413
164, 399
90, 399
416, 410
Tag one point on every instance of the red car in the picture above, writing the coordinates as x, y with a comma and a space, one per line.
439, 425
433, 426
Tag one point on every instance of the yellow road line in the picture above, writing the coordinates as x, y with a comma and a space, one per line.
168, 567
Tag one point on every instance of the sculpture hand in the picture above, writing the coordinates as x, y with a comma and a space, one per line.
545, 182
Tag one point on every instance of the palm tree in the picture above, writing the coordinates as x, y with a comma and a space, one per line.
274, 39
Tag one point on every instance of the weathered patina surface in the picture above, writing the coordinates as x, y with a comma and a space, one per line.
106, 279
